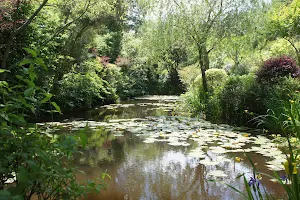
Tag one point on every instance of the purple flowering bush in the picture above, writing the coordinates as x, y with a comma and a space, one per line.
274, 68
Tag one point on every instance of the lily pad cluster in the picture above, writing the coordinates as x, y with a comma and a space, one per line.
184, 131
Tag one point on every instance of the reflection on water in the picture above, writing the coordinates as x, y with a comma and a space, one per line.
160, 171
157, 170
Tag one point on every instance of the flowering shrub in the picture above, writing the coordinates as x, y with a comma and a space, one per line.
278, 67
122, 62
104, 60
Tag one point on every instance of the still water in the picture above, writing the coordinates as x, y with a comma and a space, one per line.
151, 152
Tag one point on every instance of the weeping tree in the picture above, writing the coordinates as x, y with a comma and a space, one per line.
206, 23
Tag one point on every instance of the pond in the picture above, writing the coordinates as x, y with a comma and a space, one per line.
153, 152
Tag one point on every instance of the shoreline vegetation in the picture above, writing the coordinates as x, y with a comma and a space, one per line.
232, 61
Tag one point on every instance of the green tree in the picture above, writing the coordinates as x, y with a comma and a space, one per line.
206, 23
17, 28
284, 22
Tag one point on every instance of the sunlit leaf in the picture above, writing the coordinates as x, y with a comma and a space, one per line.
31, 52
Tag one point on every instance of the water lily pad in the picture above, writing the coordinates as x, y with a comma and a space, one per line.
217, 173
218, 150
199, 154
149, 140
275, 167
208, 162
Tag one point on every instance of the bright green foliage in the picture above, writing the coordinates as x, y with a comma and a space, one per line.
285, 19
85, 87
195, 99
242, 100
35, 162
238, 98
188, 74
215, 79
275, 100
284, 22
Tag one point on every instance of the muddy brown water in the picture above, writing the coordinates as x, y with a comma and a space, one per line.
157, 170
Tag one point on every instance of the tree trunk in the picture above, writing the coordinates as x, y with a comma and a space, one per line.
298, 56
16, 31
205, 56
204, 65
7, 51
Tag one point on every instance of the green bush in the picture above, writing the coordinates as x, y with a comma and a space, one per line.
238, 99
84, 90
239, 69
195, 98
35, 162
215, 79
188, 74
276, 98
170, 83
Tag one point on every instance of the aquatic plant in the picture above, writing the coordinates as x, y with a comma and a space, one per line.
291, 165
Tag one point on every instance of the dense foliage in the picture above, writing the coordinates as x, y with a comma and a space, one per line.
234, 59
34, 162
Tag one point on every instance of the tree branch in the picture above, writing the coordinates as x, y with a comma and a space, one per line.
67, 25
21, 28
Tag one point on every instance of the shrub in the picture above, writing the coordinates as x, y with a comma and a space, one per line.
170, 83
240, 69
195, 98
124, 63
238, 99
35, 163
188, 74
137, 81
84, 90
215, 79
275, 100
278, 67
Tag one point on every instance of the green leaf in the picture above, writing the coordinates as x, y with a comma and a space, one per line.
31, 73
3, 83
4, 194
19, 197
250, 196
20, 77
56, 106
31, 164
16, 119
83, 139
31, 52
40, 62
47, 98
3, 70
105, 175
34, 100
25, 62
22, 175
4, 116
29, 91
